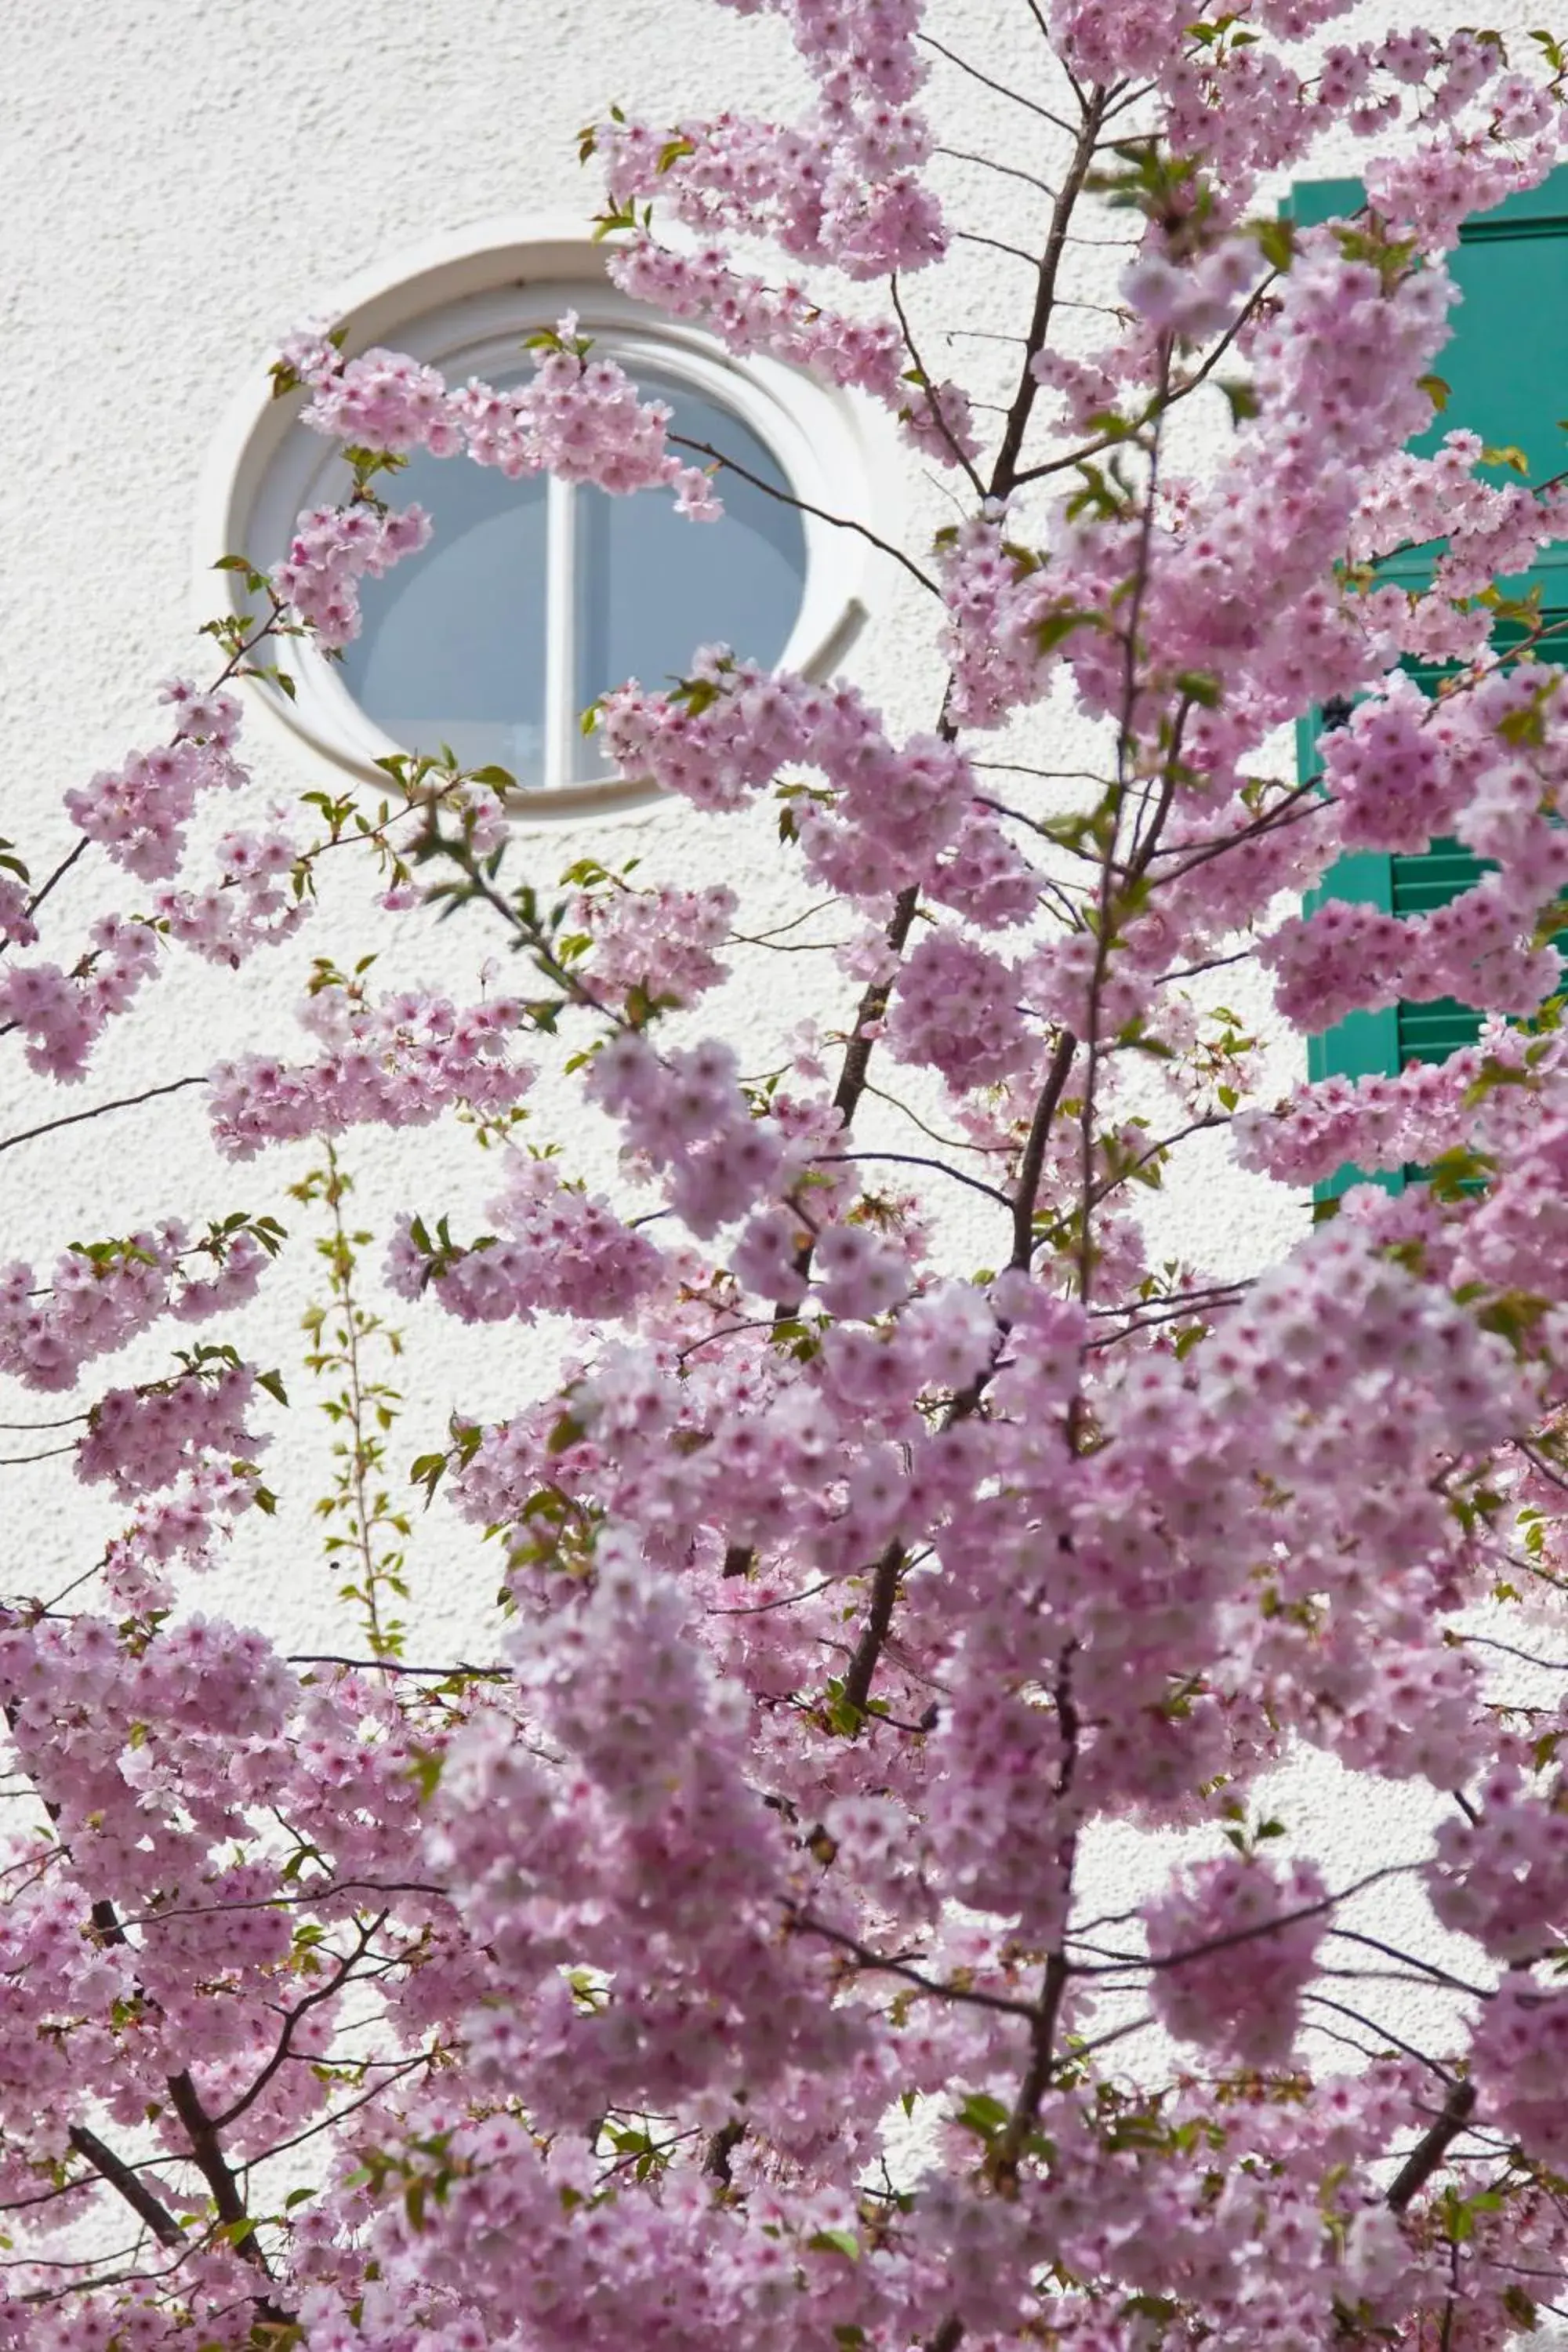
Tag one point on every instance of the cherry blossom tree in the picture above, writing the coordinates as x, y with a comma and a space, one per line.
715, 1960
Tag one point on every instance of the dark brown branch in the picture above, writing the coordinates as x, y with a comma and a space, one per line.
123, 2181
873, 1005
1001, 87
1037, 2074
1433, 2145
1189, 384
1008, 455
1384, 2039
396, 1666
77, 1117
302, 2009
106, 1920
922, 377
58, 876
884, 1964
208, 2156
1033, 1161
909, 1160
1009, 170
720, 2147
862, 1665
789, 498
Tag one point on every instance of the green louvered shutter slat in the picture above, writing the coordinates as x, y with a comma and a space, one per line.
1431, 880
1506, 369
1430, 1033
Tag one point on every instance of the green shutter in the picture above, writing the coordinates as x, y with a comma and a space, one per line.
1430, 1033
1506, 369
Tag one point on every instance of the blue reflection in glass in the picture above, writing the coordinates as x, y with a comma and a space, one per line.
452, 646
652, 587
452, 649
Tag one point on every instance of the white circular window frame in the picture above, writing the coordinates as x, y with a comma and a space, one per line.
464, 306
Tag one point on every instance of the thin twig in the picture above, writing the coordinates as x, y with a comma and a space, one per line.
999, 86
1009, 170
76, 1118
789, 498
916, 1159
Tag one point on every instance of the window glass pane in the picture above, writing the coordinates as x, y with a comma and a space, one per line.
652, 587
452, 649
453, 646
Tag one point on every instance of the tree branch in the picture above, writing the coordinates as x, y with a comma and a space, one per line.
1032, 1163
123, 2181
1006, 469
862, 1665
1433, 2145
804, 506
76, 1118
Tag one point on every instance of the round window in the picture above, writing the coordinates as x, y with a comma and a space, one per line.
535, 596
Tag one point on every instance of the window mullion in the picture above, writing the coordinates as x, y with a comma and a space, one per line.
561, 633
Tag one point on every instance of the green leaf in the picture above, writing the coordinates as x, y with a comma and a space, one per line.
1054, 627
835, 2242
982, 2114
1276, 242
1436, 390
1526, 727
1242, 396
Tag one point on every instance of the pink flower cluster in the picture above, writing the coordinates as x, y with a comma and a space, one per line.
181, 1529
556, 1251
332, 550
141, 1439
98, 1298
709, 1962
138, 811
686, 1114
1491, 529
891, 813
841, 189
1252, 1934
1487, 1098
786, 324
579, 418
247, 906
62, 1013
400, 1062
957, 1006
1516, 2063
1386, 769
662, 944
1503, 1877
1351, 956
